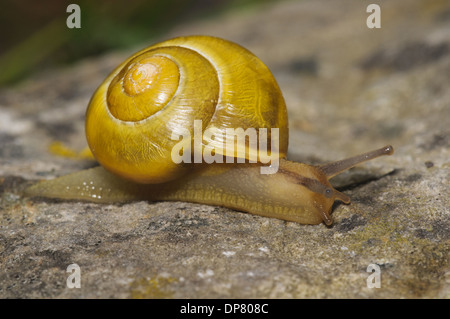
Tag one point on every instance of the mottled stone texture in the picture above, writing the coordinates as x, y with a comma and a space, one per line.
348, 88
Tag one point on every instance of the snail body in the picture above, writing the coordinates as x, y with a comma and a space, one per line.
159, 92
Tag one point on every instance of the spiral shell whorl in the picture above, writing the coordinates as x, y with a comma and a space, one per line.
163, 89
143, 87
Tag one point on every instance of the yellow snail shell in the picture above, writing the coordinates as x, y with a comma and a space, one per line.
162, 89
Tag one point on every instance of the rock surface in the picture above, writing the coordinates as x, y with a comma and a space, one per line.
348, 88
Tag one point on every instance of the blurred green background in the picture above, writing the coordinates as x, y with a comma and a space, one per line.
34, 35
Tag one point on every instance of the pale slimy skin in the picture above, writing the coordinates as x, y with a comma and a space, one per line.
297, 192
276, 195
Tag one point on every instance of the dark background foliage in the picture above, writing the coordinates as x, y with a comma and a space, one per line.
34, 35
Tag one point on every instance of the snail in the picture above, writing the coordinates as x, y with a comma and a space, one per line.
160, 92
